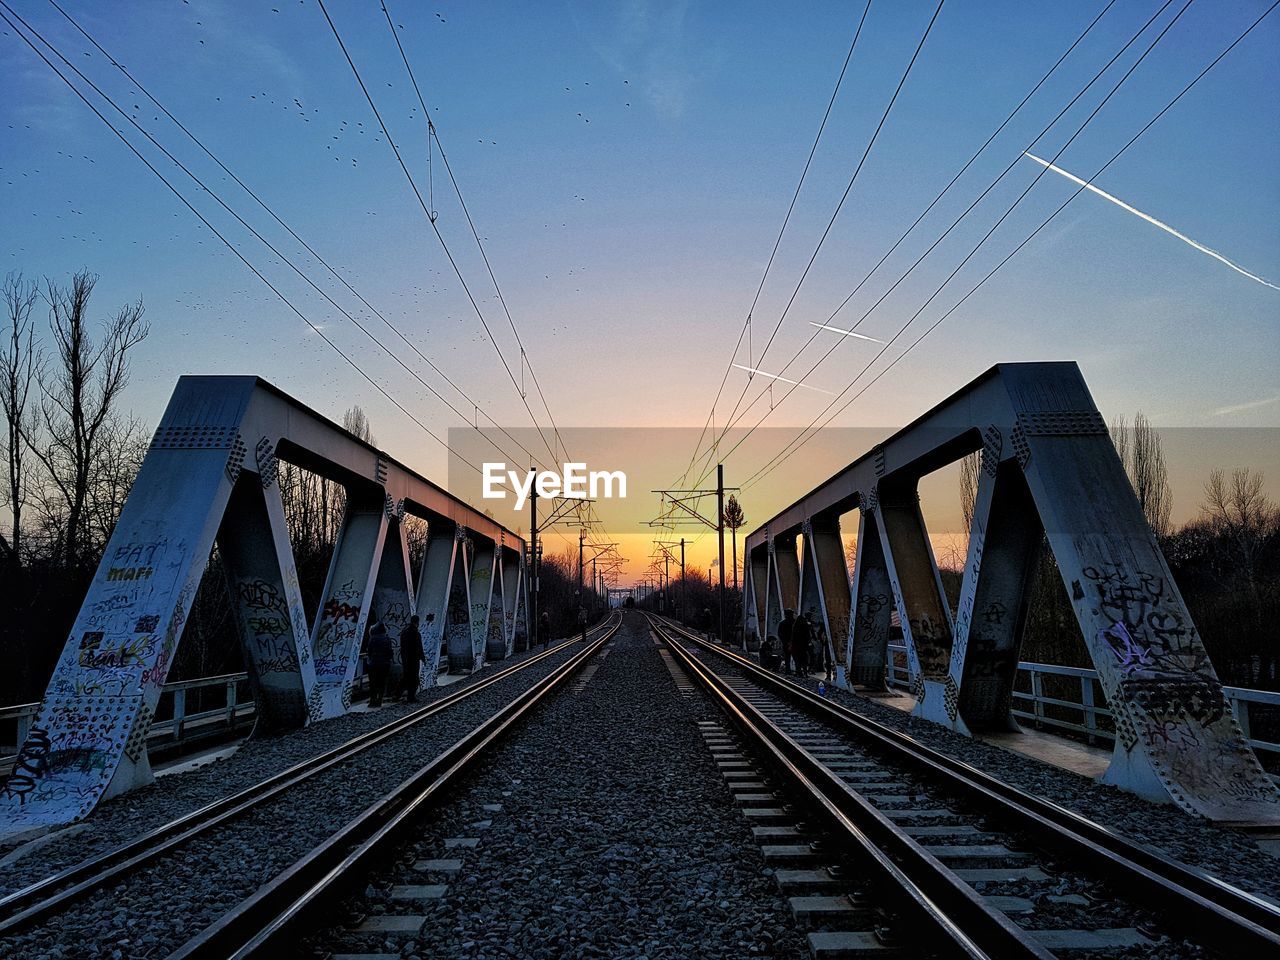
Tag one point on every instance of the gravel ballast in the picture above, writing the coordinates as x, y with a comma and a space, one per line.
151, 913
604, 829
1229, 854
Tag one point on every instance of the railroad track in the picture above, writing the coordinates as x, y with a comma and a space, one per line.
933, 836
57, 893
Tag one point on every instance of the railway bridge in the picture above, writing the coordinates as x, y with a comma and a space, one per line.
609, 763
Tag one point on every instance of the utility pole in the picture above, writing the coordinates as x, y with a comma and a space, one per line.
531, 631
684, 589
595, 579
666, 589
720, 531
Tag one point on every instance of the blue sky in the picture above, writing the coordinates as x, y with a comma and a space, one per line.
628, 247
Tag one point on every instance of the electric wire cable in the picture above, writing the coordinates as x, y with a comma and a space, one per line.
732, 422
275, 216
786, 220
432, 221
1130, 70
5, 16
798, 442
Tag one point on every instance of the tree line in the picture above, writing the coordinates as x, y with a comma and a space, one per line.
71, 456
72, 453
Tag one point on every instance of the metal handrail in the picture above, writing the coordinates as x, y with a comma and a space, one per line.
1029, 704
1192, 899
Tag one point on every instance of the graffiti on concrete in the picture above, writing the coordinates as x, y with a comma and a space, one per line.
1168, 688
337, 641
269, 627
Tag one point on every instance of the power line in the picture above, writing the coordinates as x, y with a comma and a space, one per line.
433, 134
185, 202
732, 422
432, 220
997, 224
794, 445
839, 206
946, 189
786, 220
265, 206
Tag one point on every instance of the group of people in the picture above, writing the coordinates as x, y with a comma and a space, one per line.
381, 652
798, 647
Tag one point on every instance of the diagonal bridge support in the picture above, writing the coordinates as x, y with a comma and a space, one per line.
210, 477
1050, 474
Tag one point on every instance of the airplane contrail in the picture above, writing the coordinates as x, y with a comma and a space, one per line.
847, 333
1150, 219
774, 376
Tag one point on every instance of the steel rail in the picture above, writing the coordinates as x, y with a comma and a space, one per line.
51, 895
266, 923
1205, 906
953, 916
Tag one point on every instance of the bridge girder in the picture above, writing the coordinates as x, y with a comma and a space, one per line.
1049, 471
210, 476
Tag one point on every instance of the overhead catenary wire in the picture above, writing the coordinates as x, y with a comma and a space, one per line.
433, 134
884, 117
5, 16
981, 242
432, 220
942, 193
525, 362
777, 242
809, 432
733, 422
278, 219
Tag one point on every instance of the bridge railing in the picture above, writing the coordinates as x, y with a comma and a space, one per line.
187, 708
1088, 714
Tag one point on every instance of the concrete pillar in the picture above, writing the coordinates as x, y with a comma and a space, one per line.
393, 594
458, 641
435, 585
756, 587
1176, 736
1004, 543
497, 635
868, 647
824, 592
483, 581
513, 622
88, 740
917, 591
253, 542
344, 610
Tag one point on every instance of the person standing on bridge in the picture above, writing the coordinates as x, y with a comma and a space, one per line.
784, 638
380, 652
801, 638
411, 658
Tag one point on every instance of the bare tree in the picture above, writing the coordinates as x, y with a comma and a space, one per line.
1140, 451
356, 421
19, 367
1243, 515
314, 507
124, 445
969, 468
733, 519
80, 396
